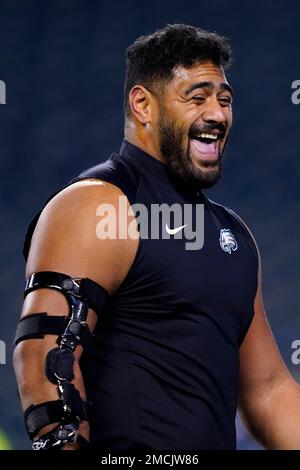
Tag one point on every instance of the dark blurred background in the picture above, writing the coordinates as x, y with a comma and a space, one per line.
63, 65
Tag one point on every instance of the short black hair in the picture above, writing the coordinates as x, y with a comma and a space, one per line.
151, 59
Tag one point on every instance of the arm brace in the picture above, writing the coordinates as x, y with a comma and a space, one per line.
70, 409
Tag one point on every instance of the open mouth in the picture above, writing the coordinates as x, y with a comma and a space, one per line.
206, 145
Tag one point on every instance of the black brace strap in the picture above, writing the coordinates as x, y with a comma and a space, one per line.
38, 325
38, 416
80, 294
94, 294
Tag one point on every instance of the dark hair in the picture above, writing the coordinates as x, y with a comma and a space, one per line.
151, 59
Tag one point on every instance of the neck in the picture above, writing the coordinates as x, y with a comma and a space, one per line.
143, 138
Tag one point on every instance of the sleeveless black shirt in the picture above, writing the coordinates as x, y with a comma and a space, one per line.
162, 369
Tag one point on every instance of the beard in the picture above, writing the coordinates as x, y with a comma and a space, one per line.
178, 158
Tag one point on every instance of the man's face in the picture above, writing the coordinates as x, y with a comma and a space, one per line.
194, 121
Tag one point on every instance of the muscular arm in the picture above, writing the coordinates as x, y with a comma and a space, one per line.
65, 241
269, 397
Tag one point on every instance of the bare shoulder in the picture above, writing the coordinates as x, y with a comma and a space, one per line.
81, 196
66, 238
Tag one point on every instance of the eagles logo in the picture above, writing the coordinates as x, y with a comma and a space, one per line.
227, 241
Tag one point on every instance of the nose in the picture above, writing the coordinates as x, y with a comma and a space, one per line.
214, 112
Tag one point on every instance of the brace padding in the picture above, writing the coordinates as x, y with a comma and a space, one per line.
59, 365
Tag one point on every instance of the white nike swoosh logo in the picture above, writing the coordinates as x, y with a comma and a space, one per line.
173, 231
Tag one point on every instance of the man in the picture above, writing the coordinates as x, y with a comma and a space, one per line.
179, 332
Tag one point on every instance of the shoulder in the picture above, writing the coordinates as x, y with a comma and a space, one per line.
79, 200
108, 180
67, 237
74, 210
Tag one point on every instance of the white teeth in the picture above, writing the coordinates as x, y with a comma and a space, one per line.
203, 135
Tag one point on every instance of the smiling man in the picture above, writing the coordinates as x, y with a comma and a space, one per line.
180, 336
193, 149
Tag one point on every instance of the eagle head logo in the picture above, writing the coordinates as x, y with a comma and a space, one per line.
227, 241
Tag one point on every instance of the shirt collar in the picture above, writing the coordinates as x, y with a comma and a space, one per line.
157, 169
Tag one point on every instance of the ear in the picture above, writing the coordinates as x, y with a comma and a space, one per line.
140, 100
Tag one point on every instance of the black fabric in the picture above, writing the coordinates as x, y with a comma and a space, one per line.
38, 325
96, 295
38, 416
162, 368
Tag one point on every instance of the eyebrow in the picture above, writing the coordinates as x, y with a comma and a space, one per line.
223, 87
